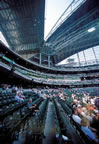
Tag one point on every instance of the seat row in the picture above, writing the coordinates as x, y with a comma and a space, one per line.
33, 127
10, 121
68, 110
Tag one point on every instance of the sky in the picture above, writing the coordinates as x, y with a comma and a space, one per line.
53, 10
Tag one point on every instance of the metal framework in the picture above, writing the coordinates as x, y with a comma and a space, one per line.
72, 35
22, 24
75, 4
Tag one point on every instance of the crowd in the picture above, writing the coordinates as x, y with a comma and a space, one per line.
86, 114
85, 108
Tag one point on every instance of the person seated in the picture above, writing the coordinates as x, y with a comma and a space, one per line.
34, 90
18, 98
22, 95
75, 102
95, 123
79, 109
31, 107
75, 116
97, 102
14, 89
88, 116
79, 101
88, 132
85, 113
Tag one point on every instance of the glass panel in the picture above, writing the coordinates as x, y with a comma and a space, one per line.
89, 57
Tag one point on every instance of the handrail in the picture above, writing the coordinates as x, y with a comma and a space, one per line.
45, 79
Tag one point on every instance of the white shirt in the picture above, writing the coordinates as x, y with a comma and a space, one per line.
92, 101
76, 118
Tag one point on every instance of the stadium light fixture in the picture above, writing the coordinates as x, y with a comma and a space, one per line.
91, 29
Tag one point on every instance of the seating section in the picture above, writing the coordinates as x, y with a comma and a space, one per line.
65, 125
12, 113
33, 127
68, 110
18, 124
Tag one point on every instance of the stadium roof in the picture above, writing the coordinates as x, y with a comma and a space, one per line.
22, 24
78, 32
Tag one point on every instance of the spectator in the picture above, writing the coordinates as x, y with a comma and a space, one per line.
86, 114
75, 116
21, 94
31, 107
95, 122
75, 102
35, 90
18, 98
14, 89
85, 128
79, 107
97, 103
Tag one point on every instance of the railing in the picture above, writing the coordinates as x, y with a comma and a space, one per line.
40, 78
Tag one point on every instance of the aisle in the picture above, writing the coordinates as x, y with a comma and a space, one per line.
49, 131
70, 130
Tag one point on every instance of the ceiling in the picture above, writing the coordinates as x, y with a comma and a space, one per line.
72, 35
22, 24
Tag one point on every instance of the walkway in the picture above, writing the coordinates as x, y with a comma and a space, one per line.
49, 132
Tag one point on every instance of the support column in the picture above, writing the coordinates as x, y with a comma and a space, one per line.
78, 59
84, 57
95, 55
48, 61
40, 58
